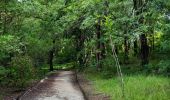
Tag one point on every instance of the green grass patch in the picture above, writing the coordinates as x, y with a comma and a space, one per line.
137, 87
66, 66
0, 96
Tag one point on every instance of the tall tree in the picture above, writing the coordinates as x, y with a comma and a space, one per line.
139, 6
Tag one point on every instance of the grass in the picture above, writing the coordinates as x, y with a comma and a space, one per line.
0, 96
66, 66
137, 87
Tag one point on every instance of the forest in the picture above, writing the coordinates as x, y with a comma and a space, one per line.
122, 47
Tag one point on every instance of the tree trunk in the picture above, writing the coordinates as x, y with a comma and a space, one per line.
116, 49
135, 47
103, 46
126, 50
80, 38
51, 56
138, 7
98, 54
101, 51
81, 46
126, 45
153, 41
5, 18
144, 49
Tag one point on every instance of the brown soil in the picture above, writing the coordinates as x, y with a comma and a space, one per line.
61, 85
9, 93
89, 90
12, 93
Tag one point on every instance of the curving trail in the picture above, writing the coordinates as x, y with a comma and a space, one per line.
60, 85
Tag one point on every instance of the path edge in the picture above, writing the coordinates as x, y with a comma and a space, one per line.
81, 89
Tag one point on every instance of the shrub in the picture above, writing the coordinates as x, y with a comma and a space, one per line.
164, 67
3, 74
21, 71
109, 67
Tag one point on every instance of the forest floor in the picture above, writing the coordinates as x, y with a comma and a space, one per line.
88, 89
12, 93
60, 85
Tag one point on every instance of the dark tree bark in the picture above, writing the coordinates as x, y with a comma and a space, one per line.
5, 18
144, 49
116, 49
153, 38
138, 7
51, 56
106, 4
101, 48
126, 45
135, 47
135, 44
103, 45
98, 54
79, 39
153, 41
126, 50
4, 29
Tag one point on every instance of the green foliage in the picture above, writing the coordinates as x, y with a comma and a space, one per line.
138, 87
68, 28
9, 44
3, 74
21, 71
164, 67
67, 66
66, 51
109, 67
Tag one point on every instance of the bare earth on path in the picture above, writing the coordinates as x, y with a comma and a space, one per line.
57, 86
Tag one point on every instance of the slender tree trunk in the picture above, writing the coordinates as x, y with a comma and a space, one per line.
81, 46
153, 42
101, 49
126, 50
138, 6
152, 39
80, 38
116, 49
135, 7
98, 54
5, 18
119, 71
144, 49
4, 29
103, 45
135, 47
126, 46
51, 56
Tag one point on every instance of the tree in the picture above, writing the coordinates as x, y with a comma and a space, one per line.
139, 6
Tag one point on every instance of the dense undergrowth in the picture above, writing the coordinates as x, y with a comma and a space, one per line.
23, 74
20, 73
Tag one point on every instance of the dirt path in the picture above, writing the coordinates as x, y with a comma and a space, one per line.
57, 86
